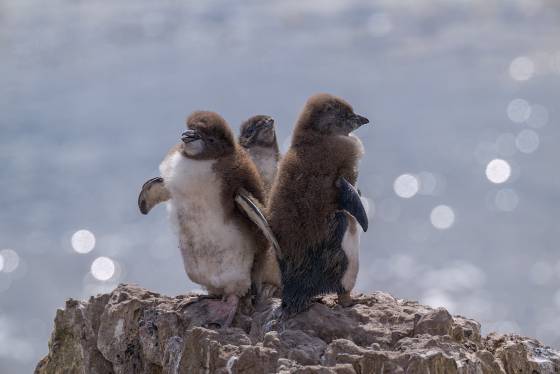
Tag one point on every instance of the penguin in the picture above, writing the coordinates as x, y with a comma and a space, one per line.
258, 137
315, 210
214, 196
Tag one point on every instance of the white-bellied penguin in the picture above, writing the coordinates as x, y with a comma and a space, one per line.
214, 196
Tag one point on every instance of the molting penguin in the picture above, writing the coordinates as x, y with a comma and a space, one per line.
213, 192
258, 137
314, 209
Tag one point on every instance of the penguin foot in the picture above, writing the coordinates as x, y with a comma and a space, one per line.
345, 300
207, 297
267, 291
222, 312
318, 300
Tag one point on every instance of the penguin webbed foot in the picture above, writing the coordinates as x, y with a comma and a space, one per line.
267, 292
222, 312
345, 299
276, 321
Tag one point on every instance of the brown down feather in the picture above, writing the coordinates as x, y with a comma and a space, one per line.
236, 170
304, 197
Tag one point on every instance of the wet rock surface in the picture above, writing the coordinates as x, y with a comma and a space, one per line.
133, 330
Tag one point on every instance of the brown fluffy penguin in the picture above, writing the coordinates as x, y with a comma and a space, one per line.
314, 209
258, 137
213, 192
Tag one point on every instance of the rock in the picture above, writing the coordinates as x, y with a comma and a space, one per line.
133, 330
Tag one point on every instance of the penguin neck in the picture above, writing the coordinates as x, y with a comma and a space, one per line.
258, 151
266, 160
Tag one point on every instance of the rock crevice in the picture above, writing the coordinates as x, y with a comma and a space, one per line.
133, 330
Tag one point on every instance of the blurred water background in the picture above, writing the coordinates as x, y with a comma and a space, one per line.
460, 174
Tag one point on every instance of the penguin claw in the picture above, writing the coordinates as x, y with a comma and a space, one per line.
345, 300
318, 300
222, 312
267, 292
277, 321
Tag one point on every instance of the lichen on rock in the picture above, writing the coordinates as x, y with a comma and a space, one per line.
133, 330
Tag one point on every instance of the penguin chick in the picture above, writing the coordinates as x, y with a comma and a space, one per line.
314, 209
258, 137
266, 273
215, 192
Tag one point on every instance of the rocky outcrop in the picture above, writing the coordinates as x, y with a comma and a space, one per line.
133, 330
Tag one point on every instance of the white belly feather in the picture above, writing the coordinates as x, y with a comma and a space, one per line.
351, 247
266, 162
216, 254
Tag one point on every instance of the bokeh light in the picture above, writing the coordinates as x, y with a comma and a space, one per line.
406, 186
539, 116
498, 171
522, 68
83, 241
519, 110
527, 141
102, 268
10, 260
506, 200
442, 217
1, 262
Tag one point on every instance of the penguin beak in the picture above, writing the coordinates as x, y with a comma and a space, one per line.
360, 120
268, 123
190, 136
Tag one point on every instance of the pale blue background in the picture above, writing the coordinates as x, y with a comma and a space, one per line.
93, 93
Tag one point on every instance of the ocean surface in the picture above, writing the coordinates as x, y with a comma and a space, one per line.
460, 172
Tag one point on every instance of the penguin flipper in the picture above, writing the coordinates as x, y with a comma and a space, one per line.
153, 192
244, 201
349, 200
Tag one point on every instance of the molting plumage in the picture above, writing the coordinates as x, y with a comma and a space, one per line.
258, 137
206, 177
311, 200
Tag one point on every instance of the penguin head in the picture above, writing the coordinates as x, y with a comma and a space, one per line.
258, 131
325, 114
208, 137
